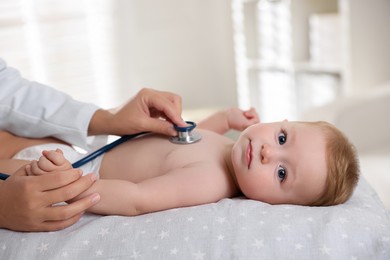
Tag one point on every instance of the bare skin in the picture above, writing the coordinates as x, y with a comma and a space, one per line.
31, 209
170, 176
146, 181
280, 162
141, 113
26, 201
11, 144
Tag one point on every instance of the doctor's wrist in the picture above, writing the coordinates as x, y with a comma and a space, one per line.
100, 123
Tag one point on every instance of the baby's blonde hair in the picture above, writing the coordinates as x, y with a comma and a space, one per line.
342, 166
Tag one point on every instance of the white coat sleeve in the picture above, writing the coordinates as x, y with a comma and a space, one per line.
31, 109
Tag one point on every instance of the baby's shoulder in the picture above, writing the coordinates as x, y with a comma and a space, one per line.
210, 137
211, 144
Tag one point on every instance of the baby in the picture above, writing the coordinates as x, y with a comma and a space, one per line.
278, 163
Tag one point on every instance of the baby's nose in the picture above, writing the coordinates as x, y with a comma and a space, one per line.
265, 153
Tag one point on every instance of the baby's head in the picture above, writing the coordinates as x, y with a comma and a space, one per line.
342, 166
305, 163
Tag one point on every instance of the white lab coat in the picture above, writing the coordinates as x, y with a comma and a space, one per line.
32, 109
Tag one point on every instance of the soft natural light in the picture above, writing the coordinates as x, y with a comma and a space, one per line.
272, 90
32, 36
276, 84
64, 44
243, 92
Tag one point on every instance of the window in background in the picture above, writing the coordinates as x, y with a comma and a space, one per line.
274, 64
64, 44
263, 57
283, 65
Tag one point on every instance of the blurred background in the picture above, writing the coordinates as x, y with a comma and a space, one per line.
283, 57
296, 59
104, 51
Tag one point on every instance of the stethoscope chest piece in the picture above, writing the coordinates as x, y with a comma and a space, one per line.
185, 135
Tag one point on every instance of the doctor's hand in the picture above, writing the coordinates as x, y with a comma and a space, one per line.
26, 202
149, 110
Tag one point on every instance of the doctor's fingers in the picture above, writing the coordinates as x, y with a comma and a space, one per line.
167, 105
160, 126
50, 225
62, 216
152, 94
176, 100
69, 191
56, 179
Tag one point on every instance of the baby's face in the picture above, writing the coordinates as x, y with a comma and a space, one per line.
282, 162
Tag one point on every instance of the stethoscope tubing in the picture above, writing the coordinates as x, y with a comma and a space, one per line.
3, 176
96, 153
108, 147
105, 149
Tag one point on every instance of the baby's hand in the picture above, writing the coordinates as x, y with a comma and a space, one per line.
49, 161
240, 119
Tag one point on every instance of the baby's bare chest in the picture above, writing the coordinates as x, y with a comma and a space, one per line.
155, 156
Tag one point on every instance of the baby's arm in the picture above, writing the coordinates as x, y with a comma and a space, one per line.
180, 188
233, 118
49, 161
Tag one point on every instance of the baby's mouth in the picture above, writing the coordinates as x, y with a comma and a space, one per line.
249, 154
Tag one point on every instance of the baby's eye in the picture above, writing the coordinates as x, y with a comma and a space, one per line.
282, 138
282, 173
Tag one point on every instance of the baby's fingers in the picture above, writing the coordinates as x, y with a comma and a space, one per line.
34, 169
57, 158
27, 169
252, 115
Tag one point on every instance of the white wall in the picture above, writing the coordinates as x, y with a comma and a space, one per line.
368, 52
104, 51
301, 10
184, 46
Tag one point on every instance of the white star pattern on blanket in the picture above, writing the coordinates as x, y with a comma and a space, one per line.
229, 229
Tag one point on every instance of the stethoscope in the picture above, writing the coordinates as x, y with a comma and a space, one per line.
185, 135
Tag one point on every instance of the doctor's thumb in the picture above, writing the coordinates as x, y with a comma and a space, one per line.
161, 127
